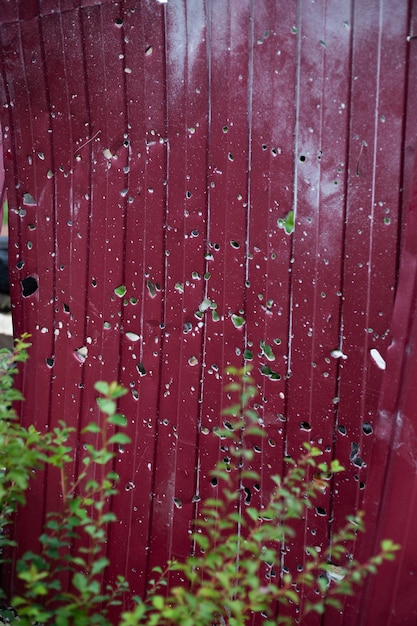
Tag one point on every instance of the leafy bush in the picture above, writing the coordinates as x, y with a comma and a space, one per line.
228, 577
83, 519
237, 548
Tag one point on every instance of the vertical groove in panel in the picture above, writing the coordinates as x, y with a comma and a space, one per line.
50, 417
340, 346
295, 199
164, 315
249, 148
125, 523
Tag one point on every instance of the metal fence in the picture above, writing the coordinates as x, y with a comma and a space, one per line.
193, 184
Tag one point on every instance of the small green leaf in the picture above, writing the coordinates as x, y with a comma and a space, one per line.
92, 428
106, 405
99, 565
117, 419
79, 581
158, 602
120, 438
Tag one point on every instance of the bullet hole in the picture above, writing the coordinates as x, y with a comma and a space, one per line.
50, 361
266, 371
132, 336
359, 462
66, 308
195, 498
187, 327
81, 353
367, 428
320, 511
272, 443
230, 156
118, 22
354, 450
188, 194
257, 486
225, 129
305, 426
29, 286
302, 158
226, 461
135, 394
141, 369
234, 244
20, 265
178, 503
228, 425
214, 482
130, 485
264, 147
248, 495
120, 291
28, 199
342, 430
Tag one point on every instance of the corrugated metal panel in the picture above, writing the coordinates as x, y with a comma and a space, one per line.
391, 502
161, 147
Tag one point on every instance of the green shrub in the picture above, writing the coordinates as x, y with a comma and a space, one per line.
235, 548
82, 520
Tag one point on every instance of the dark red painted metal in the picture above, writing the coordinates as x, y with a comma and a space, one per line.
163, 145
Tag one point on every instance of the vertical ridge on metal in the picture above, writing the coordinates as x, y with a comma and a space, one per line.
194, 184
